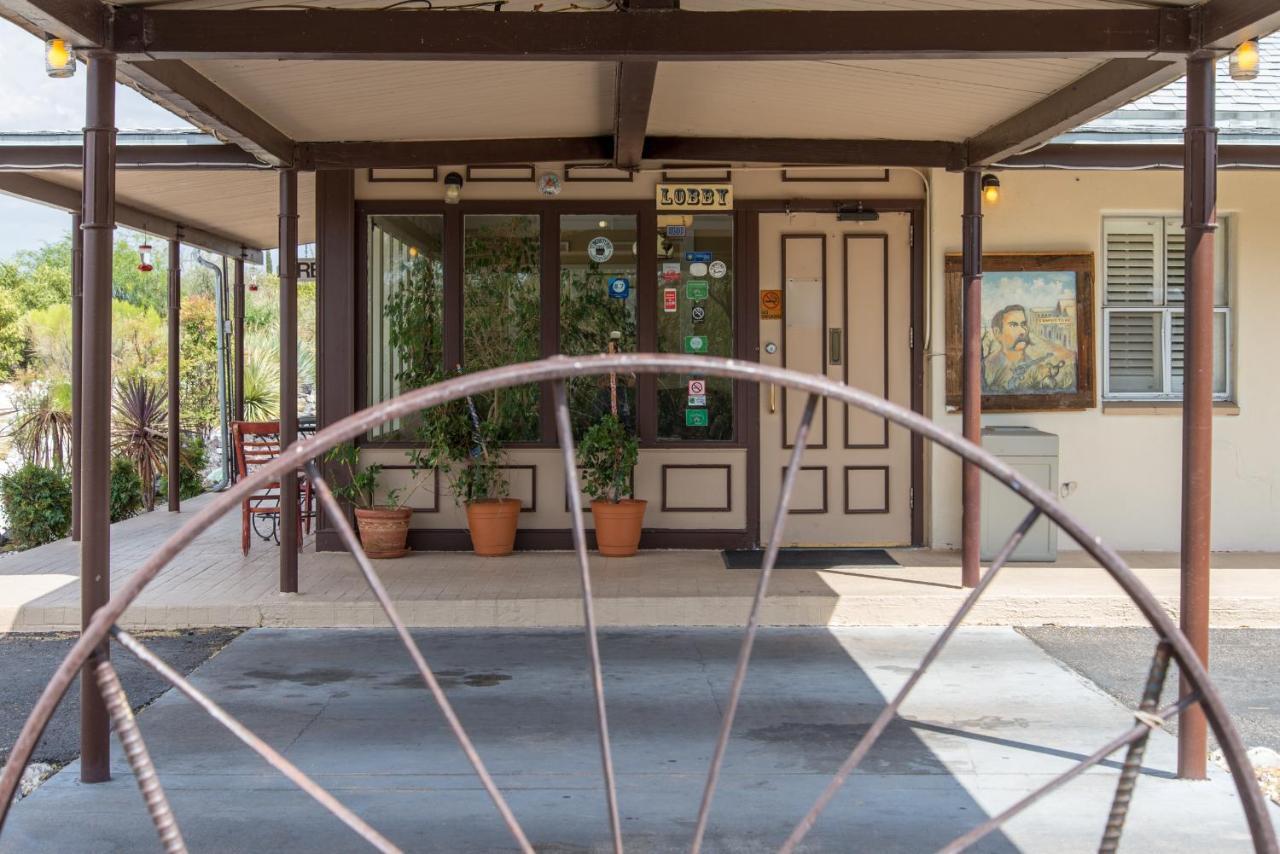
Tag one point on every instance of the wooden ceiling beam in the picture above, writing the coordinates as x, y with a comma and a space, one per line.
633, 94
54, 195
174, 85
471, 152
1226, 24
649, 36
1102, 90
814, 152
26, 158
179, 87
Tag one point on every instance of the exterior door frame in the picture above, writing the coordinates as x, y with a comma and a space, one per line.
749, 212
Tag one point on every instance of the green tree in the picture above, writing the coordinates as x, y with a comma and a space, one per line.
198, 365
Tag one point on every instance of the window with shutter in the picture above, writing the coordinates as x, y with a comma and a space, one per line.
1144, 288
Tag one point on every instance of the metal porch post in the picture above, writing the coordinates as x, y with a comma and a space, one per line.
77, 378
95, 397
971, 248
238, 367
288, 375
174, 353
1200, 200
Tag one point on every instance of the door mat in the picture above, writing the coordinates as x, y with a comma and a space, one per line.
808, 558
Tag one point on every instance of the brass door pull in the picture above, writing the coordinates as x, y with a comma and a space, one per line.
773, 398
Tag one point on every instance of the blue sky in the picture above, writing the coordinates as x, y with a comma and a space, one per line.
30, 100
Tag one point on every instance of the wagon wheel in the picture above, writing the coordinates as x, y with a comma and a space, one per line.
1171, 643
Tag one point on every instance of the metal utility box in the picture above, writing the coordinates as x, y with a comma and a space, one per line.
1033, 454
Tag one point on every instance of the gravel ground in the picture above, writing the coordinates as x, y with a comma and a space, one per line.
1242, 662
28, 660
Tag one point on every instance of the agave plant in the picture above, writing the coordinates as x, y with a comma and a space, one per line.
41, 427
261, 387
139, 431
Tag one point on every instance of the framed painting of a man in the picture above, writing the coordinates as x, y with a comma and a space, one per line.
1037, 331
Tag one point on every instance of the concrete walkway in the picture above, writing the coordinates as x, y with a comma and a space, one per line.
994, 719
212, 585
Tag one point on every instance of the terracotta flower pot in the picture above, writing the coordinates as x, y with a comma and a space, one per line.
493, 525
384, 530
618, 526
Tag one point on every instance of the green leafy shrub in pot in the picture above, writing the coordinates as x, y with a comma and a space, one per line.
37, 502
384, 528
126, 490
467, 450
608, 454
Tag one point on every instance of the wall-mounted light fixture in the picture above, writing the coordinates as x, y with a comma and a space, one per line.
1245, 61
452, 188
59, 61
990, 189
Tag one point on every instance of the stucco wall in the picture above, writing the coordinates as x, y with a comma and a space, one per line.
1126, 467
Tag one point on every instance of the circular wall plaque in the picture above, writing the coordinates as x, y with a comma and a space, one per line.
600, 249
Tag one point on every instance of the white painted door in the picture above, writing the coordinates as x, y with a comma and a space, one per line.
845, 295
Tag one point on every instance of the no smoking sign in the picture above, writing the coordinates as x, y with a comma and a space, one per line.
697, 386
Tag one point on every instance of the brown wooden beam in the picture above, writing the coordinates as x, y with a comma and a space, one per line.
68, 198
1226, 24
632, 97
823, 152
1200, 221
172, 373
85, 23
1100, 91
27, 158
290, 530
389, 155
180, 88
1130, 156
655, 36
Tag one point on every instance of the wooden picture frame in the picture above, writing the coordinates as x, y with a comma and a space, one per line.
1058, 327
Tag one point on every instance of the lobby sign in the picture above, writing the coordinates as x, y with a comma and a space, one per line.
695, 197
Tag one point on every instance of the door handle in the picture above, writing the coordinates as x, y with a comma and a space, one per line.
835, 349
773, 398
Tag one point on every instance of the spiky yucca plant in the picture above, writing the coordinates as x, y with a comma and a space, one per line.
41, 428
139, 431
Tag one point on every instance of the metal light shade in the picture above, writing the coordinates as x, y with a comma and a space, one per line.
452, 188
1245, 61
990, 189
59, 61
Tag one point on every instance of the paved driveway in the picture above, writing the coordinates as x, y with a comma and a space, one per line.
995, 719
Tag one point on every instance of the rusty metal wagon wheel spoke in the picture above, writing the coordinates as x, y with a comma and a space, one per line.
135, 751
753, 619
1139, 732
557, 370
565, 431
1133, 756
352, 542
887, 714
274, 758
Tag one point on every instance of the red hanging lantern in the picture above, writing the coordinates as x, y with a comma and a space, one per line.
146, 257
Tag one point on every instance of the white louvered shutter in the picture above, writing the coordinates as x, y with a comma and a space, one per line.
1175, 286
1133, 262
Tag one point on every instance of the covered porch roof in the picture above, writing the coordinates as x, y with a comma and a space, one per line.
942, 83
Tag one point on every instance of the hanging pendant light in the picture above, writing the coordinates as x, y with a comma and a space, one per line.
59, 61
1245, 61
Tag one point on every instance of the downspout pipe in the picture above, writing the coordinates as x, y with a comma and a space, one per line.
220, 316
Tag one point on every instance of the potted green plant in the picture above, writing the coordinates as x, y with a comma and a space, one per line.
608, 454
468, 452
384, 528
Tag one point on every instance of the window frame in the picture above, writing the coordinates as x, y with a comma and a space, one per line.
549, 212
1166, 310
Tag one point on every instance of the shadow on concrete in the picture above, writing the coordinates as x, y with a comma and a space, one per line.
347, 708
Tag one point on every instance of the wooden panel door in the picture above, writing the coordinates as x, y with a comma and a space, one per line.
846, 313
